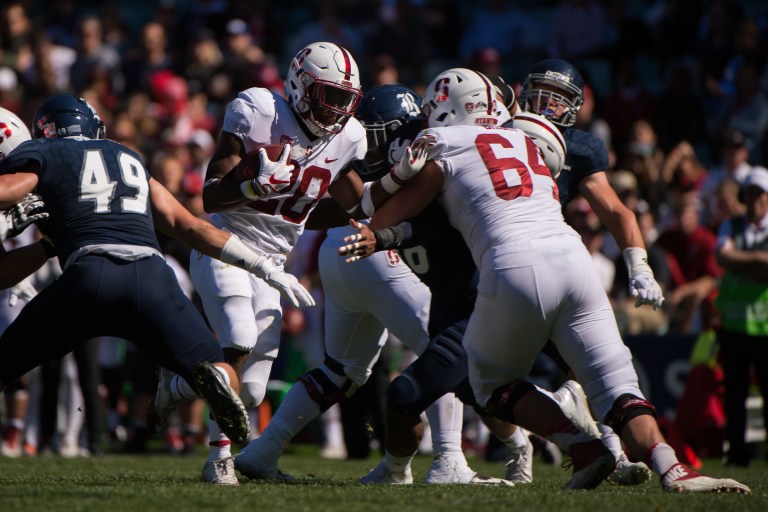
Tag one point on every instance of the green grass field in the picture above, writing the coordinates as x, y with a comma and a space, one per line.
117, 483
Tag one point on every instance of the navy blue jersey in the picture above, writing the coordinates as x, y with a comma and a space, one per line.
586, 154
96, 191
437, 254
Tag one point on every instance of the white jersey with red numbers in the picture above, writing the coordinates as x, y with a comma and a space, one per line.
272, 224
497, 190
537, 280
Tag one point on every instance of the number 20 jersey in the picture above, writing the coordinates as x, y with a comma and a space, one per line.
497, 189
97, 192
273, 224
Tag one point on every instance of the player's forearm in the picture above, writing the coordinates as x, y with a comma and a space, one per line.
623, 227
19, 263
221, 196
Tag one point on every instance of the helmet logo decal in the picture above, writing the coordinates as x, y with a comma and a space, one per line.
557, 76
409, 104
441, 90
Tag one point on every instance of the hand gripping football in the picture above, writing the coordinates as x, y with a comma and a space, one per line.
249, 166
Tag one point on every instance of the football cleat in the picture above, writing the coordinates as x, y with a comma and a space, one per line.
592, 463
160, 408
455, 470
220, 472
629, 473
381, 475
251, 469
11, 444
680, 478
519, 467
227, 409
573, 402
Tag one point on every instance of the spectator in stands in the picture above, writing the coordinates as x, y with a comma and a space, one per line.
693, 270
742, 250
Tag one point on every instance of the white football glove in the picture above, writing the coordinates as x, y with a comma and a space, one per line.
414, 158
416, 155
21, 215
23, 290
642, 284
272, 177
236, 253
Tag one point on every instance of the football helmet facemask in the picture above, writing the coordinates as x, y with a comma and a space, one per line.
547, 138
462, 96
12, 132
555, 90
65, 115
387, 112
323, 87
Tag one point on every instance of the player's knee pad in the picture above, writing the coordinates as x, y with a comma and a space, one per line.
626, 407
322, 388
252, 393
503, 400
243, 335
437, 371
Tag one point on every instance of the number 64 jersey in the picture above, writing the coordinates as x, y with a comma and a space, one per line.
497, 191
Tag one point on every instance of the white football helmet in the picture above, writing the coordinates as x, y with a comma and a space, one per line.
323, 87
12, 132
462, 96
547, 138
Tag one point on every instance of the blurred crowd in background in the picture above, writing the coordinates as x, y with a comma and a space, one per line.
676, 89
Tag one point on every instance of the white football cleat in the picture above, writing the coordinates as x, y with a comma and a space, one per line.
452, 469
251, 469
220, 472
629, 473
572, 400
682, 479
161, 407
592, 463
519, 467
381, 475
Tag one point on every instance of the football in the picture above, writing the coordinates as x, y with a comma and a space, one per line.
249, 166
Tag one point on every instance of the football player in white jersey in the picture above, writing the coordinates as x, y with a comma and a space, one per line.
536, 283
362, 303
316, 125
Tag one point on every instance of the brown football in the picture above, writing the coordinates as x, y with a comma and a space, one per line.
249, 166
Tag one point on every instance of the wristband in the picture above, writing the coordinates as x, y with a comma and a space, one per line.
390, 183
236, 253
636, 260
392, 237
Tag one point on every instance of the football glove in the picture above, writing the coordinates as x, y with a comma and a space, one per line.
236, 253
272, 177
21, 215
642, 284
416, 155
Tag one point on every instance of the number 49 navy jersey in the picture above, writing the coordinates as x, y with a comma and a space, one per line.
96, 191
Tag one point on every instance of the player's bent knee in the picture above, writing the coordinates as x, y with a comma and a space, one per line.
504, 399
404, 396
252, 393
625, 408
323, 390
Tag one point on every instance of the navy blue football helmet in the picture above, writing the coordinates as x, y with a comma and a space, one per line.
555, 90
391, 115
65, 115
